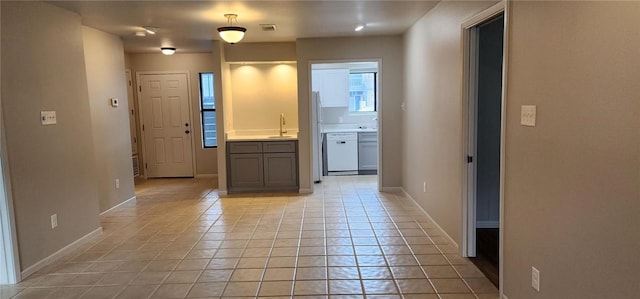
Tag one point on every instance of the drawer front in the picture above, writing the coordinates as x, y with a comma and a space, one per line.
279, 146
244, 147
368, 137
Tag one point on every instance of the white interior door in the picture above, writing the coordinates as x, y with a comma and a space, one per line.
166, 125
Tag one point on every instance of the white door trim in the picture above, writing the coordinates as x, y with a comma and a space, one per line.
10, 264
378, 108
141, 117
469, 113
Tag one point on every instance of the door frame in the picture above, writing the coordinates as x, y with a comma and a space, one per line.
378, 111
469, 95
10, 262
141, 117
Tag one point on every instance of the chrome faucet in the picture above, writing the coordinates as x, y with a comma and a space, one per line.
283, 122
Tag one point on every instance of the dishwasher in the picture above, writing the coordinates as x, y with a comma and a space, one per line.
342, 153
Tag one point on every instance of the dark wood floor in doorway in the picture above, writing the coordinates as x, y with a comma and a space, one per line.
487, 251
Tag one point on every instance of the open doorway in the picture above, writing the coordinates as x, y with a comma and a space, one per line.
345, 103
484, 48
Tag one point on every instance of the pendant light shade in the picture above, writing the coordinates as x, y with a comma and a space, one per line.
168, 50
231, 34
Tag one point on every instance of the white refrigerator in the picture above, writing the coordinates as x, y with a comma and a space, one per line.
316, 136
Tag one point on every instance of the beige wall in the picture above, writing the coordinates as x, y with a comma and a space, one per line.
52, 168
104, 60
572, 188
195, 63
261, 92
432, 122
386, 48
263, 52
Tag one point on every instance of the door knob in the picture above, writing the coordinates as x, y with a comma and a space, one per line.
186, 132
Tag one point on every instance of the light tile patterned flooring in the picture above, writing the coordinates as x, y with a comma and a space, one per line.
180, 240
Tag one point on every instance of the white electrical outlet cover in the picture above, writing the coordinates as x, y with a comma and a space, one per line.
114, 102
535, 279
528, 115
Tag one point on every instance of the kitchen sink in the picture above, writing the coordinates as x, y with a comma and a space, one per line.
281, 137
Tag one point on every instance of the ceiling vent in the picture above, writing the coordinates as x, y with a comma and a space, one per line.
268, 27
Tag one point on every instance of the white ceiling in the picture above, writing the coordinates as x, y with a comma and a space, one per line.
190, 26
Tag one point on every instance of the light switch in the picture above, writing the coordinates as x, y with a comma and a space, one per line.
48, 118
528, 115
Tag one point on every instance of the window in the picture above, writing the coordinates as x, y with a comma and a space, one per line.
208, 111
362, 92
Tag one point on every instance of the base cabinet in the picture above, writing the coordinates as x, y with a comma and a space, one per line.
258, 166
368, 153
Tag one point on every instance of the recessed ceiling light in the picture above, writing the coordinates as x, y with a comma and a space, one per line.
141, 33
151, 29
359, 27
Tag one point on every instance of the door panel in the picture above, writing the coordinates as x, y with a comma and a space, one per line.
165, 111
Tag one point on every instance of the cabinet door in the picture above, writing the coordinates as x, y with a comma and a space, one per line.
335, 87
245, 172
280, 171
368, 156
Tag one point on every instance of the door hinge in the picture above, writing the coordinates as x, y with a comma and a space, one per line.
145, 165
469, 159
142, 127
129, 82
140, 88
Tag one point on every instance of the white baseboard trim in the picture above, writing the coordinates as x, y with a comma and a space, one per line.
487, 224
431, 219
305, 191
207, 176
222, 193
122, 203
60, 253
391, 189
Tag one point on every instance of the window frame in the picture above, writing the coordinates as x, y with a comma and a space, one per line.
203, 110
375, 93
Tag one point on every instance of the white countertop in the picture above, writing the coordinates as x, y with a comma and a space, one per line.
348, 130
261, 138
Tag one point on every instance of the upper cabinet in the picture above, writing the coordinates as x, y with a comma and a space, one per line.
333, 86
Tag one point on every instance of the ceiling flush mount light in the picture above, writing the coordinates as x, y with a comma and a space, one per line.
151, 30
231, 34
141, 33
168, 50
359, 27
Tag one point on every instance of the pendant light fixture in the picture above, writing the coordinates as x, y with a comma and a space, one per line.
231, 34
168, 50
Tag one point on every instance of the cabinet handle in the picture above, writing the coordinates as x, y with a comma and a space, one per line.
341, 142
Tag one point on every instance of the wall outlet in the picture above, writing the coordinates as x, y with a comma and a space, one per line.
54, 221
424, 186
117, 183
535, 279
528, 115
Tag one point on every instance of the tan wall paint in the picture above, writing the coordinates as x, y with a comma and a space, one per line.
572, 189
245, 52
104, 60
261, 92
386, 48
206, 161
432, 122
52, 168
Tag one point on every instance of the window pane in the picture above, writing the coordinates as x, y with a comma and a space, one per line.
362, 92
206, 87
209, 128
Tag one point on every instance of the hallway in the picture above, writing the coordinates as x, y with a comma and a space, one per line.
180, 240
